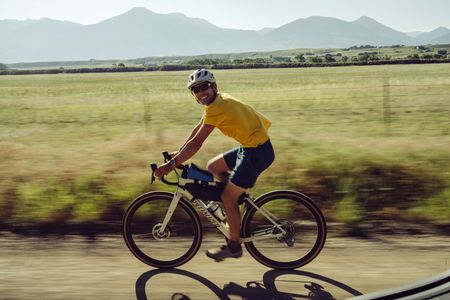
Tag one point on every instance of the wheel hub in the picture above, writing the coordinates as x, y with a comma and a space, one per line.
160, 235
288, 236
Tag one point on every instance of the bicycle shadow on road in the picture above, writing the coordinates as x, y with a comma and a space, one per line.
257, 290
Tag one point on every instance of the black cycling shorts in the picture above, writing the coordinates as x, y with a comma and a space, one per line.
246, 164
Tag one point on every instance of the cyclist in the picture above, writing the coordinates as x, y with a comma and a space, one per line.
239, 167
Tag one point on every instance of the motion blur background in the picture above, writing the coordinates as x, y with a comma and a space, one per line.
369, 143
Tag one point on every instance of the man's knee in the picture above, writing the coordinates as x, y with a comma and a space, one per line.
217, 165
211, 165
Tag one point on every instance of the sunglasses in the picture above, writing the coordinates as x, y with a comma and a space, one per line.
201, 88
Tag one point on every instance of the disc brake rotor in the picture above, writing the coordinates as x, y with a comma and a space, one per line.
158, 235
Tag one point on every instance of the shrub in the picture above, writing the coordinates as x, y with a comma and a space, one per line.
329, 58
392, 186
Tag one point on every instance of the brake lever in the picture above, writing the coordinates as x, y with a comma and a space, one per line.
167, 156
152, 178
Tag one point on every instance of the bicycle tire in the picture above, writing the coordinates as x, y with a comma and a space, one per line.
308, 232
183, 236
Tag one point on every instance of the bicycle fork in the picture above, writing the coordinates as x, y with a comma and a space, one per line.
173, 205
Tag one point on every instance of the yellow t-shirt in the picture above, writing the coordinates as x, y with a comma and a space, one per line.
237, 120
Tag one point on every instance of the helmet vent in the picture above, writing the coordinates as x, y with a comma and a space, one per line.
200, 75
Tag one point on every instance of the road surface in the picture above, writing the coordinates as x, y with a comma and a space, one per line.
77, 267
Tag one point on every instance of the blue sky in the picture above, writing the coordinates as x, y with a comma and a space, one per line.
403, 15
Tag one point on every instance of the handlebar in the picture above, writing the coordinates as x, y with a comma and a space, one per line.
154, 166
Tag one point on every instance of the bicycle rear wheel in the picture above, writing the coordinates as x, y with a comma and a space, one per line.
171, 248
298, 216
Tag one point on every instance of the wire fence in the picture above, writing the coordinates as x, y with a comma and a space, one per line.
386, 109
383, 105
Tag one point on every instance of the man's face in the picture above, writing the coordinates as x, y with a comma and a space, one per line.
204, 93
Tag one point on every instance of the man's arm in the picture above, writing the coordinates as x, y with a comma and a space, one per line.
193, 133
189, 149
194, 144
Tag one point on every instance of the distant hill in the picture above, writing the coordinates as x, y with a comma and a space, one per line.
325, 32
429, 37
9, 26
38, 40
138, 32
379, 34
143, 33
414, 34
265, 30
445, 39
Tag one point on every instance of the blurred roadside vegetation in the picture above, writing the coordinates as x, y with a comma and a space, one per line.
369, 143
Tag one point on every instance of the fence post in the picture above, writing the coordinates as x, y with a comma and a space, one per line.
387, 105
147, 111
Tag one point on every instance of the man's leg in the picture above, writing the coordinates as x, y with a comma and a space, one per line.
219, 168
230, 197
233, 248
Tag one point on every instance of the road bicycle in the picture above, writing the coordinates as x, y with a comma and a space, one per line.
281, 229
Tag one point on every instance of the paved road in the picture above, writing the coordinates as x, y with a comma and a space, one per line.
76, 267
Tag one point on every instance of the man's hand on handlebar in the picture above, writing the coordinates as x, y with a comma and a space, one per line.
164, 169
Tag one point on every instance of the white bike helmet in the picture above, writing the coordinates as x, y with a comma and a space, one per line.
198, 76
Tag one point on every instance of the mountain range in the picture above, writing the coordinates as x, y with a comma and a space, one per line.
140, 32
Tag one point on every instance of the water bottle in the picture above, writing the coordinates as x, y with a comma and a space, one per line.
216, 210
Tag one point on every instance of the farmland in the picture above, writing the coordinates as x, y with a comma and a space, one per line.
368, 143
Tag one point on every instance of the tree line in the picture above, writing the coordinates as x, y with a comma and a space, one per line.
299, 61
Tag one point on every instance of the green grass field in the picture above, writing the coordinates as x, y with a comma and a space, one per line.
368, 143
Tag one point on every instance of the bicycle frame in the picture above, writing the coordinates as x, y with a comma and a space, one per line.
221, 226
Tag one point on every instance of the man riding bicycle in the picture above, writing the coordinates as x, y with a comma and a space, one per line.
238, 167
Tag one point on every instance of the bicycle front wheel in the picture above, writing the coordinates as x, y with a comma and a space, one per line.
170, 248
297, 217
